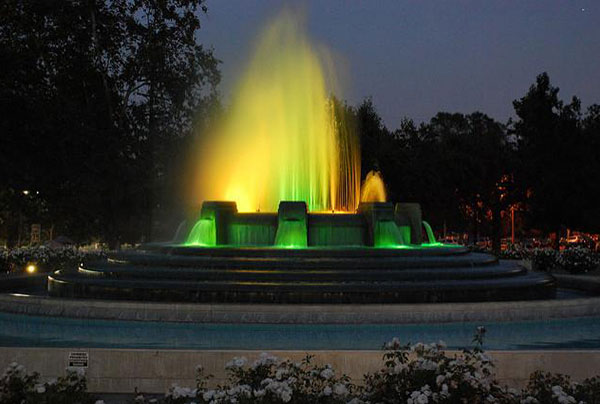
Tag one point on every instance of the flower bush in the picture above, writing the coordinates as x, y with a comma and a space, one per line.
543, 259
411, 374
267, 380
577, 260
19, 387
46, 258
514, 252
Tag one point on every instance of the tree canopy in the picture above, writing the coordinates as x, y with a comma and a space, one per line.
98, 98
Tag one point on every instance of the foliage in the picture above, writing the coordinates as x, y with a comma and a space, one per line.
90, 91
411, 374
577, 260
423, 373
47, 259
543, 259
557, 157
268, 380
557, 388
19, 387
514, 252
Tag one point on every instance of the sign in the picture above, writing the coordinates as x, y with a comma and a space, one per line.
36, 232
78, 359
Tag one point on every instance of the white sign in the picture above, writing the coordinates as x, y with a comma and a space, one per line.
79, 359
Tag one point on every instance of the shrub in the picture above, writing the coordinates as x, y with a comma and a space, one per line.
47, 259
411, 374
423, 373
577, 260
19, 387
514, 252
543, 259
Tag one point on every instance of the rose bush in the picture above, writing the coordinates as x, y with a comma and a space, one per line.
410, 374
543, 259
17, 386
577, 260
46, 258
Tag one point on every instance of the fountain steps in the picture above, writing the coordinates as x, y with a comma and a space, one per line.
209, 260
268, 275
526, 286
282, 273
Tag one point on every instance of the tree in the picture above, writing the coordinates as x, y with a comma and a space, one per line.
470, 157
589, 164
91, 91
549, 147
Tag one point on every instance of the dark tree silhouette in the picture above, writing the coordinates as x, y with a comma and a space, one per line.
91, 88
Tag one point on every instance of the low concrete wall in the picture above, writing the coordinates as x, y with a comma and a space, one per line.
301, 313
154, 371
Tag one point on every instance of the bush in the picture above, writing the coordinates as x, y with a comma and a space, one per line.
411, 374
543, 259
577, 260
19, 387
514, 252
47, 259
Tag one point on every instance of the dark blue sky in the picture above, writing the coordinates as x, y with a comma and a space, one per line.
418, 57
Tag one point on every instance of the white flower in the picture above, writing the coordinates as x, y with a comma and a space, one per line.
399, 368
561, 396
393, 344
236, 363
208, 395
265, 360
420, 396
327, 373
176, 392
340, 390
280, 373
327, 391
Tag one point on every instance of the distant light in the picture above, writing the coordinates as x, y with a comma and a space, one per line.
26, 192
31, 268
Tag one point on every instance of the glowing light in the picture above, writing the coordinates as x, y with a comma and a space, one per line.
31, 268
283, 138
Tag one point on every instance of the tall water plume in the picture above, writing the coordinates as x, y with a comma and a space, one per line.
283, 138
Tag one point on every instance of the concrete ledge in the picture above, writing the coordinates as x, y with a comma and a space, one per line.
154, 371
588, 283
300, 314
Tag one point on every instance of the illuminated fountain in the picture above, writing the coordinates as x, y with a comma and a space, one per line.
284, 218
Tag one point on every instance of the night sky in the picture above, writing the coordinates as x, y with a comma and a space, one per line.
418, 57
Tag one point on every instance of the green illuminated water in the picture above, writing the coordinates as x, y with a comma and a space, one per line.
291, 234
250, 234
387, 235
430, 235
203, 233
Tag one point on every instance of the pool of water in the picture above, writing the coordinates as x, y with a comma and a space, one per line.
33, 331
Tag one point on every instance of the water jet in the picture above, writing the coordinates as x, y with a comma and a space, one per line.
284, 218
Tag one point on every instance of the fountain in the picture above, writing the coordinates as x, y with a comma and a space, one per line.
284, 218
